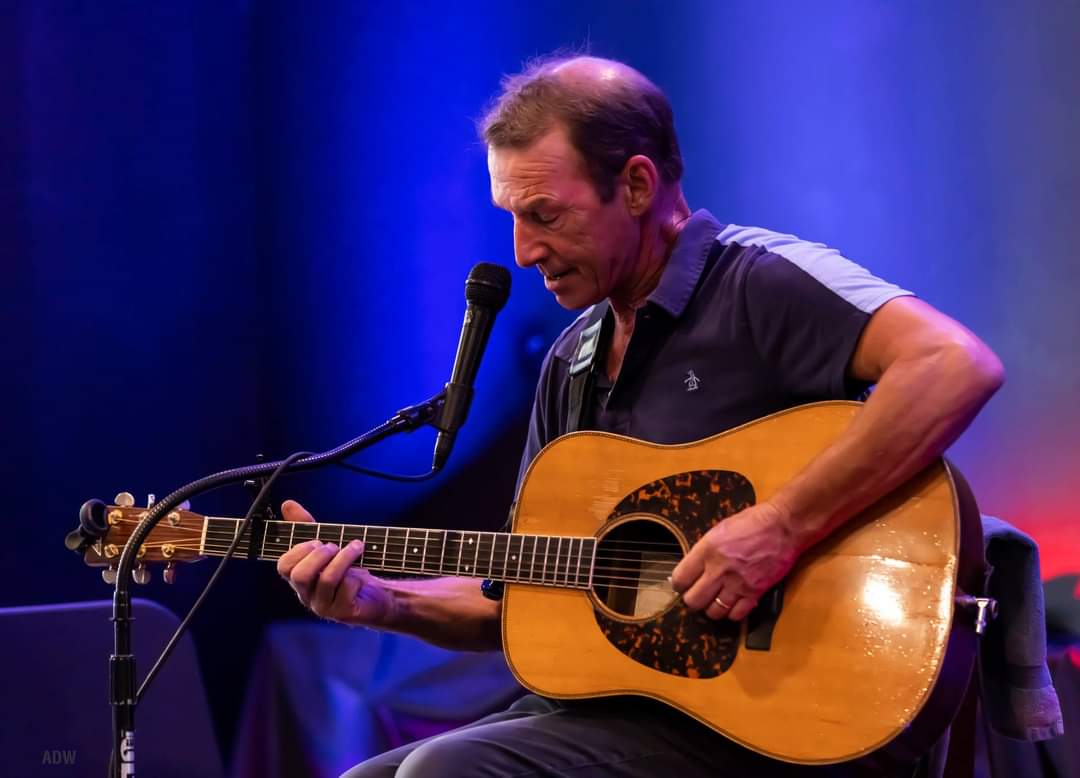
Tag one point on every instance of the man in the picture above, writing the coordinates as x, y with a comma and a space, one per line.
732, 323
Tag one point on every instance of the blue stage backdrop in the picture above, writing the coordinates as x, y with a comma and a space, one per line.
241, 227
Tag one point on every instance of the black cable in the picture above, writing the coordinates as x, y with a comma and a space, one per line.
388, 476
217, 572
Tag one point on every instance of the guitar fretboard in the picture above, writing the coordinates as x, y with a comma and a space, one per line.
549, 560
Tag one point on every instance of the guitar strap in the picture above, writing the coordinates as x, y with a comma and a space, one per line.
589, 358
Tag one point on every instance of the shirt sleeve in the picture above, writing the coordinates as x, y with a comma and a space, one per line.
806, 307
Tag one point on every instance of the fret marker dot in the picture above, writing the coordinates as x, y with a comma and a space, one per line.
466, 567
513, 558
470, 541
374, 548
415, 550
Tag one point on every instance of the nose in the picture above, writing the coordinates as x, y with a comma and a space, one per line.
528, 248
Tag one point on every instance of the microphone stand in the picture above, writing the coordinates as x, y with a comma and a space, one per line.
122, 686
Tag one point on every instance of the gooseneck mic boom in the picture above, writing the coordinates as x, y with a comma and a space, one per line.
486, 291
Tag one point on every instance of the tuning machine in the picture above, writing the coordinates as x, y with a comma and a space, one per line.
169, 573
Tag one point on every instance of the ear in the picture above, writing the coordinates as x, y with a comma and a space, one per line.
640, 182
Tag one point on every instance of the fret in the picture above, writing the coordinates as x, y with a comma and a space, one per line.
262, 549
491, 556
364, 552
577, 566
569, 556
405, 549
385, 543
442, 550
292, 529
202, 537
423, 558
341, 537
305, 532
521, 547
460, 548
558, 551
592, 563
543, 571
505, 539
532, 541
476, 553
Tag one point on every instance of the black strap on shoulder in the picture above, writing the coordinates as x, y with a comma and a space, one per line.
588, 358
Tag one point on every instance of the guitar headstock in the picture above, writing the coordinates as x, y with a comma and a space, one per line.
174, 539
106, 529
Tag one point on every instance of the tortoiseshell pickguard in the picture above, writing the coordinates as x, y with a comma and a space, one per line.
681, 641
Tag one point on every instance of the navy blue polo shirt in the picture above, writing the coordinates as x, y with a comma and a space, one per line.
744, 322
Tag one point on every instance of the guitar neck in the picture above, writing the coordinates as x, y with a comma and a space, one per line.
548, 560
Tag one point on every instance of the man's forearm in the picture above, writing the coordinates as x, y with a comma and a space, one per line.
920, 406
449, 612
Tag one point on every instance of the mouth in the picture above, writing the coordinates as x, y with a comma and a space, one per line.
555, 276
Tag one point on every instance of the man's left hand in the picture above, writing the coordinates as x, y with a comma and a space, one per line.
736, 562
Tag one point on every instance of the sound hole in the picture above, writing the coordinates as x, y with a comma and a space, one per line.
634, 561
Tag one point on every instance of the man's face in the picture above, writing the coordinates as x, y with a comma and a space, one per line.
584, 248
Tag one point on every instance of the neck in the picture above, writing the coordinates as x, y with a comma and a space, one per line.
659, 233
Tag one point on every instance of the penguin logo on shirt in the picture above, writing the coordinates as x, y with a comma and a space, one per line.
692, 381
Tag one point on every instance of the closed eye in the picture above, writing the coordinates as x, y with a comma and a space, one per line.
541, 218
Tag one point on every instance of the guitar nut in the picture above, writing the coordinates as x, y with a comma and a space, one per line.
167, 550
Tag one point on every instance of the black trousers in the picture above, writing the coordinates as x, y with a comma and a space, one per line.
616, 736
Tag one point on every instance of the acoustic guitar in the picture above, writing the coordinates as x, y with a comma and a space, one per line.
858, 649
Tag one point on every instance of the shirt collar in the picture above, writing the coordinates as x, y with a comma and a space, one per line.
686, 263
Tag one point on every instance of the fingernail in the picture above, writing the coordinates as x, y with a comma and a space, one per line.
355, 544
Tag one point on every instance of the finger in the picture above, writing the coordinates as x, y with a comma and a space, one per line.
294, 555
291, 510
742, 609
326, 586
688, 570
307, 570
704, 589
721, 604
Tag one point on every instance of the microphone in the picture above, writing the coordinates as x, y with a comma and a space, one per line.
486, 291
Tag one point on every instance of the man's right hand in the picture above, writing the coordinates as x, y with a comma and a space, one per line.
324, 579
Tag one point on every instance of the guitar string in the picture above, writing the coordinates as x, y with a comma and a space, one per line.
398, 551
601, 573
359, 527
396, 539
396, 558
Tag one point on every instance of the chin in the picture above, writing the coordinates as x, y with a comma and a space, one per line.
576, 302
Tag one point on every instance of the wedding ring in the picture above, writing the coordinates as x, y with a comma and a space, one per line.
721, 603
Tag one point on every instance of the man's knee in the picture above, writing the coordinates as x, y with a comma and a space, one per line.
458, 755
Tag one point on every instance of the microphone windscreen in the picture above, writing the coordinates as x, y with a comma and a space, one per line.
488, 285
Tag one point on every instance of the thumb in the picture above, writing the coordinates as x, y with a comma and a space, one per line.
294, 511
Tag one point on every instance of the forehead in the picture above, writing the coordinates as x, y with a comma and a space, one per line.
550, 167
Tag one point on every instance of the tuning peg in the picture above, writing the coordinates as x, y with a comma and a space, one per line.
169, 573
141, 575
185, 505
124, 500
150, 500
108, 575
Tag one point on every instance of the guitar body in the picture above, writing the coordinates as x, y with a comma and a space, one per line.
864, 652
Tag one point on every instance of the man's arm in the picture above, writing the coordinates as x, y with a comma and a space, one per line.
449, 612
933, 376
